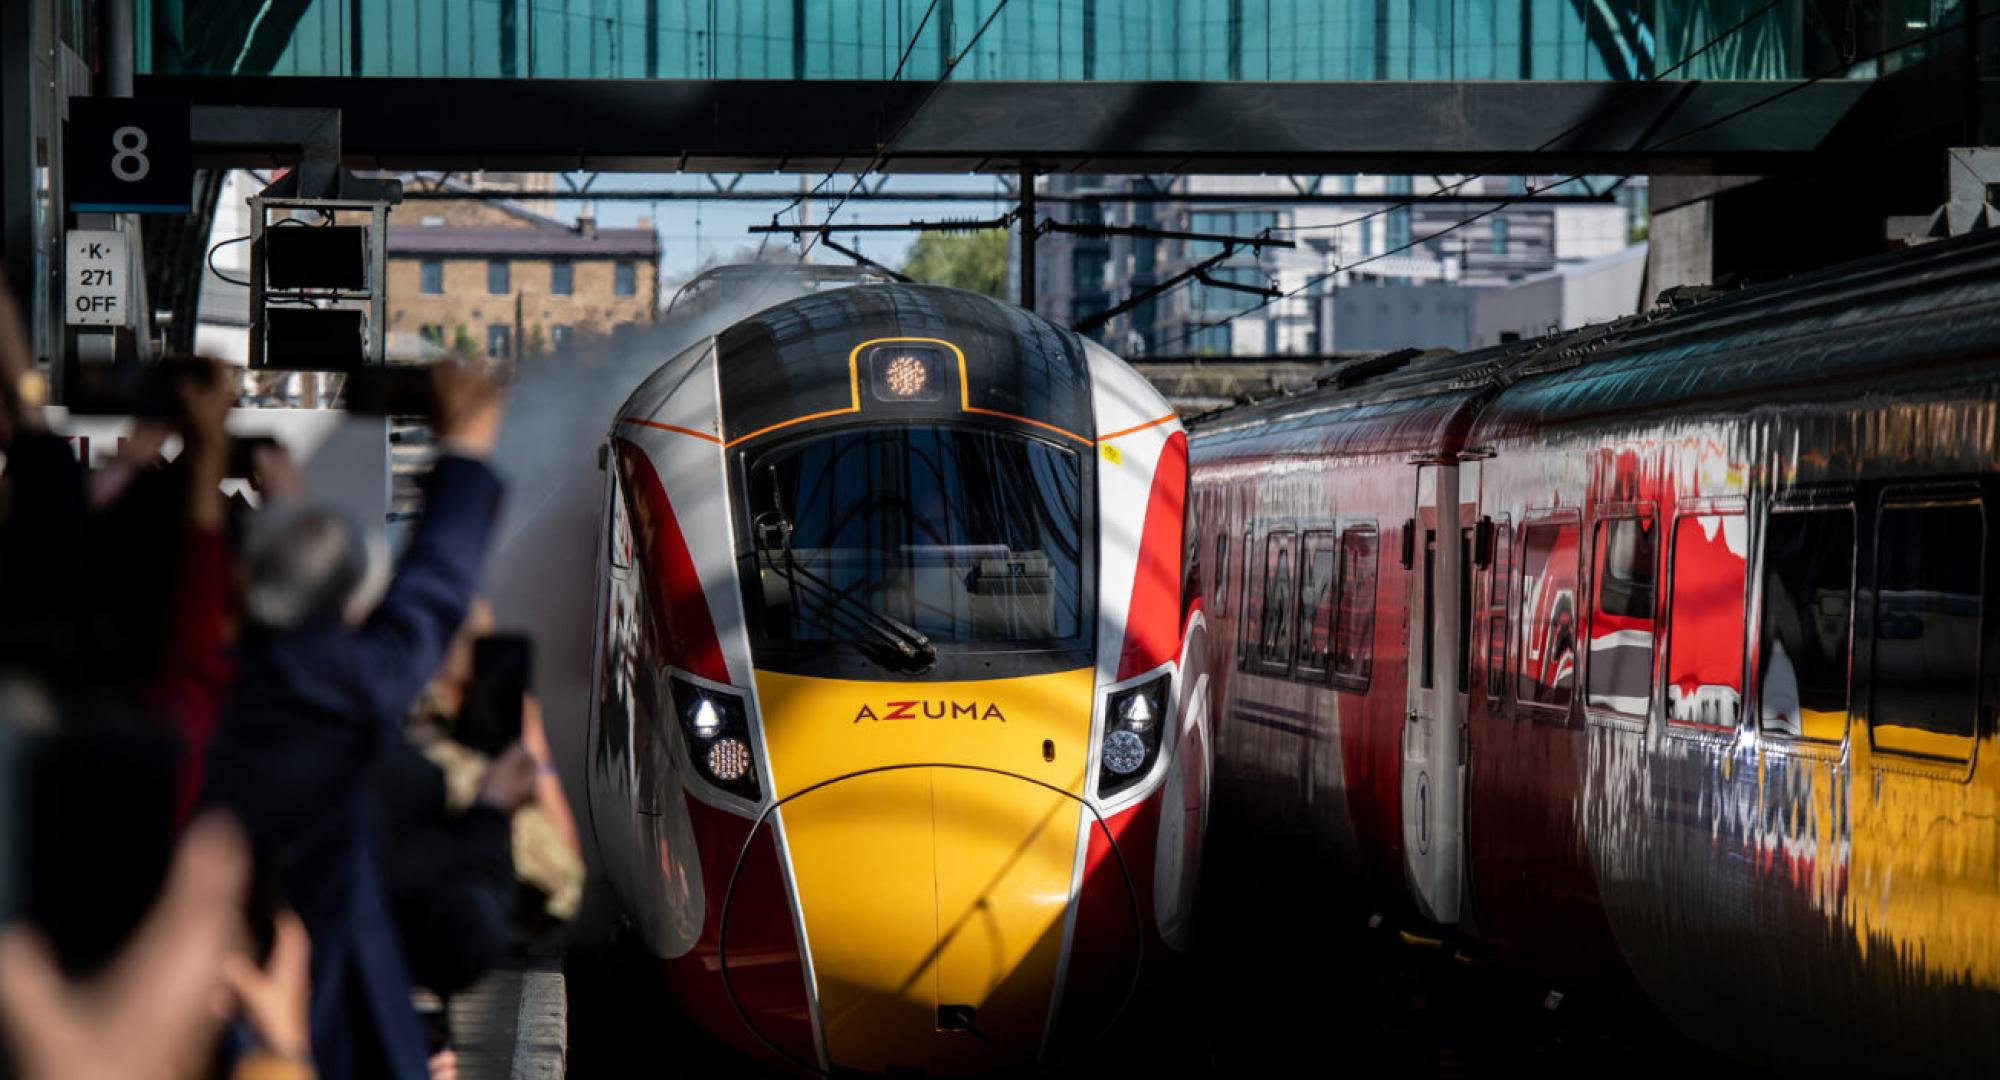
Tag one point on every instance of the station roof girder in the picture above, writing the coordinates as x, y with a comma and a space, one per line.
1096, 127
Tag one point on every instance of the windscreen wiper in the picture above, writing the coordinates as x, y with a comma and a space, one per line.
906, 642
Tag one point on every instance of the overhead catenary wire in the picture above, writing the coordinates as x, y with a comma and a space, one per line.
882, 153
1452, 188
1733, 114
1552, 140
908, 47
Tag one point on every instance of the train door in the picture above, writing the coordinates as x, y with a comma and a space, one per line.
1439, 545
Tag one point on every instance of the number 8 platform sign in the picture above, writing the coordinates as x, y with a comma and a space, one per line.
128, 155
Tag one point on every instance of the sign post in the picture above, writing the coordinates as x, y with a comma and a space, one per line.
96, 274
129, 155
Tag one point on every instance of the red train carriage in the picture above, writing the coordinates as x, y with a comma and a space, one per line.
1662, 650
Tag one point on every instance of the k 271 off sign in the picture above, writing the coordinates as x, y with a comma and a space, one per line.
96, 264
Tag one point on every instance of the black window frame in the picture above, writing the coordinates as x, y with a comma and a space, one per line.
1349, 681
503, 270
1243, 585
625, 278
1498, 613
562, 277
1821, 502
1285, 620
1537, 711
1905, 497
1305, 621
430, 272
1684, 511
1219, 596
1592, 588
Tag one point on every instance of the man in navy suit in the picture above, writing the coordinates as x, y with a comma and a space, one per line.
321, 690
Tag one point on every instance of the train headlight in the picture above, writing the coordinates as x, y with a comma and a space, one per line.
716, 723
1124, 752
1135, 720
907, 373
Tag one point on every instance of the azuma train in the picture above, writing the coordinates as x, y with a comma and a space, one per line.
898, 754
1660, 652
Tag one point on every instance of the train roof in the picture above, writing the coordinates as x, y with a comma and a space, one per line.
1902, 323
798, 358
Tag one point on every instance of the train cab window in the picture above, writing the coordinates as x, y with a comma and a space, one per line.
1354, 622
1497, 583
1221, 595
1805, 622
1705, 621
1274, 630
1929, 579
1547, 674
1316, 591
973, 537
1618, 675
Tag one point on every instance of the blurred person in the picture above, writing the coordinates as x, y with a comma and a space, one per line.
321, 689
193, 671
547, 852
44, 524
450, 871
275, 1002
152, 1012
155, 1012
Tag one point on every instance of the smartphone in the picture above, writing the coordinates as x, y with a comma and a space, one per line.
490, 719
395, 390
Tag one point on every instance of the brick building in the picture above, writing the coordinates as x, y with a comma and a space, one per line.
513, 280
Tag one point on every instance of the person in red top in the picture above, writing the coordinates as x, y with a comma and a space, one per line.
194, 670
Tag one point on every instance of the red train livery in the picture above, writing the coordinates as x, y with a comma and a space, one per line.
1663, 650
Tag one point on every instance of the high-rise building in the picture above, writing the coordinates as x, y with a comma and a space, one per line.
1403, 239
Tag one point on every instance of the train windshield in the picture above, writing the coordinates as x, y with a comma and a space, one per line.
965, 535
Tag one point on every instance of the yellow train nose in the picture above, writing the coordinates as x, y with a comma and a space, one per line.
933, 899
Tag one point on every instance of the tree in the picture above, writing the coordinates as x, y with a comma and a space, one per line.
462, 345
975, 261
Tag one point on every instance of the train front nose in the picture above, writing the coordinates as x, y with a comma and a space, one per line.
933, 900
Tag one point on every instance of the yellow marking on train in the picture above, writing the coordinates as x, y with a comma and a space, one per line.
925, 879
818, 729
1112, 454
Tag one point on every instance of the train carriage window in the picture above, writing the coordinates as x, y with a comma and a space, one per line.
1547, 676
1705, 621
1221, 597
1497, 587
1354, 625
1618, 675
1274, 630
1316, 592
1466, 546
1252, 604
1805, 621
1429, 664
1929, 579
